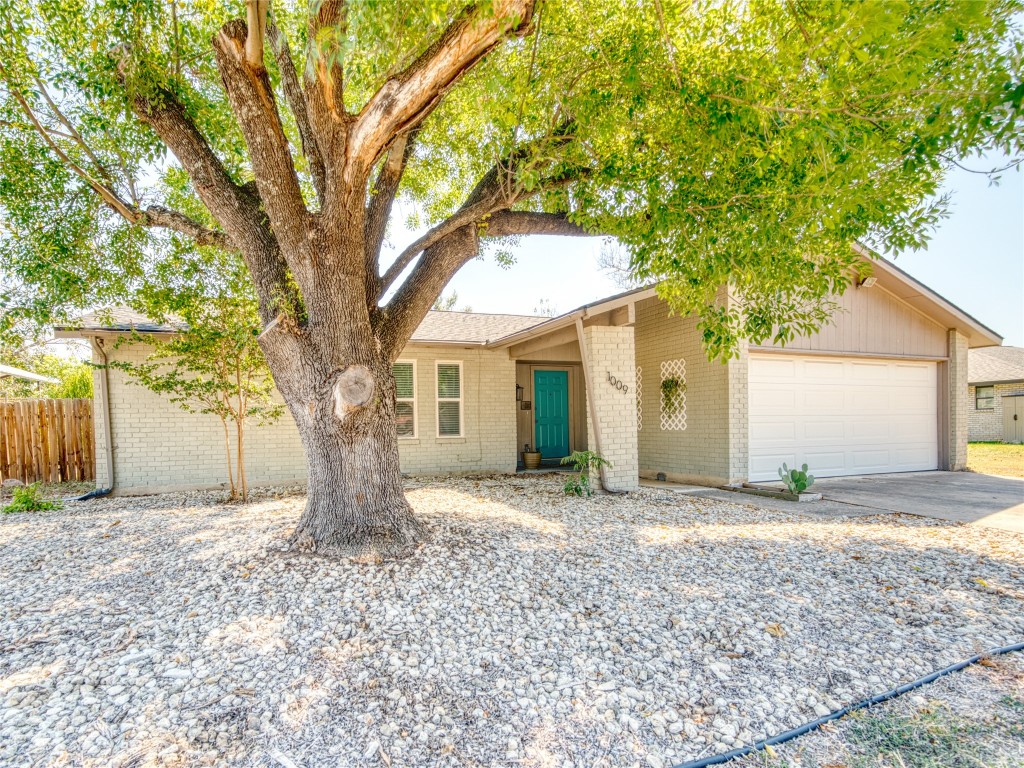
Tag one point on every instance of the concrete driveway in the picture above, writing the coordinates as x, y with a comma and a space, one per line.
994, 502
987, 500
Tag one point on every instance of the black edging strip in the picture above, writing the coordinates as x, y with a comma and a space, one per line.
814, 725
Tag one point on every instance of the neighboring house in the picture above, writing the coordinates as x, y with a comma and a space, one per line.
883, 388
996, 394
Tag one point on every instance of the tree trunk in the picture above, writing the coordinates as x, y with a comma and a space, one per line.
355, 503
242, 481
227, 454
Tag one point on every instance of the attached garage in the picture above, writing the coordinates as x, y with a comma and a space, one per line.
842, 415
881, 387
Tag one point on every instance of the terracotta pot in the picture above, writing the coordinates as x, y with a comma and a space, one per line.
531, 459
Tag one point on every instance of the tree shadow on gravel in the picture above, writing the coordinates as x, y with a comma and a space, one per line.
526, 610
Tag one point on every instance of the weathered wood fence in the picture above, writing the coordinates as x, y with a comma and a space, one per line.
46, 440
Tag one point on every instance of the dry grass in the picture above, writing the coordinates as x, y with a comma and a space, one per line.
1003, 459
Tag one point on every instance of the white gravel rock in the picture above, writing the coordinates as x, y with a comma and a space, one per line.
638, 630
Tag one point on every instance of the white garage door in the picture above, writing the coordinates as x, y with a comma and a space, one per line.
842, 416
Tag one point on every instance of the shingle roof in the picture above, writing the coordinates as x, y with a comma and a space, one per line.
474, 327
991, 365
442, 327
122, 319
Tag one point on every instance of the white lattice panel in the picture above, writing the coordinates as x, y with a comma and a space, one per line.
676, 419
639, 398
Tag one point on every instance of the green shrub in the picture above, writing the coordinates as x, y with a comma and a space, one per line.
29, 498
672, 390
583, 463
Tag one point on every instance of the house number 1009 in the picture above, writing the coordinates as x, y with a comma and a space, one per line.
617, 384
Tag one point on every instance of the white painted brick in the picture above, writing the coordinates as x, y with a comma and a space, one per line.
158, 445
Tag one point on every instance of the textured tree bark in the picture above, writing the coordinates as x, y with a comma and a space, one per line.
356, 505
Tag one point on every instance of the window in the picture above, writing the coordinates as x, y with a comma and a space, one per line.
984, 398
405, 398
449, 399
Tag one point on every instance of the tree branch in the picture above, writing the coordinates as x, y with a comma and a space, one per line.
378, 210
396, 322
490, 193
158, 216
409, 96
107, 193
72, 131
497, 190
297, 101
504, 223
237, 208
256, 24
152, 216
252, 101
324, 79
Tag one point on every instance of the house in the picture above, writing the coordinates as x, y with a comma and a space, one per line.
882, 388
995, 376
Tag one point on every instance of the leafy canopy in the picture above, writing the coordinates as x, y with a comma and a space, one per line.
720, 141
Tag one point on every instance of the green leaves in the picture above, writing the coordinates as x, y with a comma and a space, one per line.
723, 144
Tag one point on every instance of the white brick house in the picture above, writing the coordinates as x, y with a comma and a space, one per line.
996, 393
882, 388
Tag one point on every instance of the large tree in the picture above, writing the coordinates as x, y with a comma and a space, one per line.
739, 142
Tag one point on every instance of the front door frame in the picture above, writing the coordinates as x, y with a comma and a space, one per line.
574, 371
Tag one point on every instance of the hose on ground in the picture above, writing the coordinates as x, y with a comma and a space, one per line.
92, 494
870, 702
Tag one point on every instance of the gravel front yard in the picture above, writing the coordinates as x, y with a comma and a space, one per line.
534, 630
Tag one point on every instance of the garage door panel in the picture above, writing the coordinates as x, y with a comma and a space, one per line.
824, 430
868, 373
781, 433
841, 415
822, 370
872, 429
877, 459
870, 400
913, 456
766, 467
778, 368
923, 373
820, 463
775, 400
823, 400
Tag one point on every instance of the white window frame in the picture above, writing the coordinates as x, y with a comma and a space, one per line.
415, 411
461, 401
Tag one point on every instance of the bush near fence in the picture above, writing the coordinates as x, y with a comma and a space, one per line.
47, 440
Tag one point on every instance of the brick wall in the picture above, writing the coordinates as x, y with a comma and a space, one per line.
711, 450
610, 349
488, 411
158, 446
956, 369
987, 425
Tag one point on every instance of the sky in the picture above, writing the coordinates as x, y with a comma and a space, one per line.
975, 259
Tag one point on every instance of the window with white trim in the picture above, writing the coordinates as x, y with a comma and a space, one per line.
404, 372
449, 399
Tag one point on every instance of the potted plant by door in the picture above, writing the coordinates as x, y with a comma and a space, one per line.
531, 459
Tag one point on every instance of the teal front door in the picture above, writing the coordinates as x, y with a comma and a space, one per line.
551, 414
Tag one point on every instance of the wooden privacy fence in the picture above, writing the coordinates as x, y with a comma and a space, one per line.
46, 440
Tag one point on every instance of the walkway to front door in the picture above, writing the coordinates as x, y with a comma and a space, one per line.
551, 414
